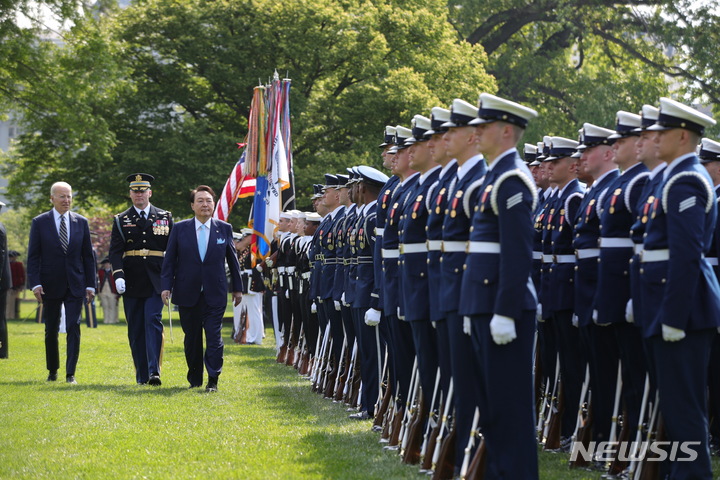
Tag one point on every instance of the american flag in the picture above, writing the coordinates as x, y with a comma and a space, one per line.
238, 185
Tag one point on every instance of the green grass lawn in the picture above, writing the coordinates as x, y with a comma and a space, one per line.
263, 423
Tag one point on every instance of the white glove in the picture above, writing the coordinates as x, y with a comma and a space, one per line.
313, 308
672, 334
502, 329
629, 312
287, 293
269, 263
258, 267
575, 320
372, 317
120, 285
467, 328
595, 319
337, 305
342, 298
434, 324
538, 313
400, 317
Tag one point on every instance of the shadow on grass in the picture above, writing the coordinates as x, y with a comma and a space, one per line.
128, 390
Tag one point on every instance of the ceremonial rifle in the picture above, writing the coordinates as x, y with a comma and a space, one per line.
432, 421
641, 422
442, 429
470, 444
583, 424
410, 408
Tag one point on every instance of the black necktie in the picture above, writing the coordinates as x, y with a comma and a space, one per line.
63, 234
141, 222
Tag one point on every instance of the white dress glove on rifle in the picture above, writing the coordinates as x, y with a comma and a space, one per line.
342, 298
629, 316
538, 313
467, 328
595, 319
287, 293
575, 320
313, 308
372, 317
258, 267
120, 285
502, 329
337, 305
672, 334
269, 263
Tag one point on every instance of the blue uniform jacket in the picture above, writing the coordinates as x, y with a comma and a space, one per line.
327, 248
342, 250
414, 266
366, 290
456, 228
616, 247
587, 236
437, 204
682, 291
502, 214
381, 209
391, 242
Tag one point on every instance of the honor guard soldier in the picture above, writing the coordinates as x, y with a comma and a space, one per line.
498, 300
436, 203
331, 200
137, 247
281, 262
680, 292
251, 304
558, 295
645, 150
461, 144
616, 249
414, 287
344, 260
710, 158
366, 298
403, 351
305, 269
596, 159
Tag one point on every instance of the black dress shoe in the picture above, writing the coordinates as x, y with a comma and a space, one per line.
71, 379
212, 385
360, 416
155, 380
52, 377
195, 386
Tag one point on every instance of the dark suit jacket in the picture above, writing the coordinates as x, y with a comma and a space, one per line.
56, 271
184, 274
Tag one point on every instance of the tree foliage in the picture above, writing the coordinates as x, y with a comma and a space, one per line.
165, 87
581, 61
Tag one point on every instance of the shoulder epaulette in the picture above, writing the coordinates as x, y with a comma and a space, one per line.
468, 193
630, 186
522, 176
675, 178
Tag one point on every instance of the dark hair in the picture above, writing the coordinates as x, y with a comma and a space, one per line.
202, 188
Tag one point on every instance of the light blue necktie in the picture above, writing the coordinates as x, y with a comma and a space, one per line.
202, 242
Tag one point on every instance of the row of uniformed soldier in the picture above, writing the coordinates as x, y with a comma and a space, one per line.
442, 275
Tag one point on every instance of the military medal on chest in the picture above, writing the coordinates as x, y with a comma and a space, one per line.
589, 210
416, 207
614, 198
385, 198
361, 238
550, 218
391, 217
456, 200
487, 191
646, 208
438, 200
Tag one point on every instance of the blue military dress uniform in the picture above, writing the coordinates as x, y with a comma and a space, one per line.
680, 290
414, 281
497, 280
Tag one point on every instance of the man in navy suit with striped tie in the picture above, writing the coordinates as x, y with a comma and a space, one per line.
193, 272
61, 271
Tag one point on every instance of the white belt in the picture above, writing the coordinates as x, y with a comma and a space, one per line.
654, 255
712, 261
379, 231
454, 246
387, 253
638, 248
607, 242
413, 248
290, 270
563, 258
537, 256
247, 272
547, 258
587, 253
281, 269
434, 245
483, 247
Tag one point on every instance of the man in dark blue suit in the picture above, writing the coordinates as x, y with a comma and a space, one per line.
194, 271
61, 271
